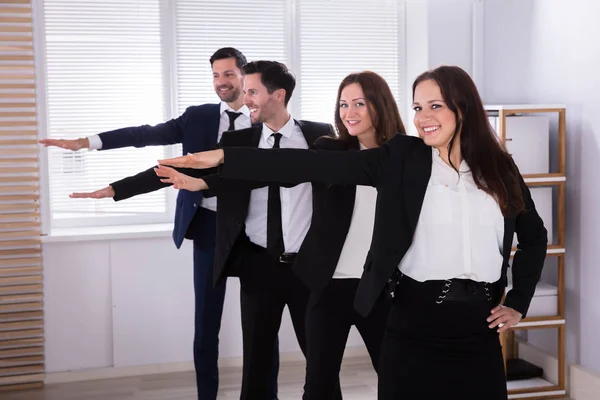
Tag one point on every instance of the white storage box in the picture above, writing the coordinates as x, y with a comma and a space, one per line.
544, 302
542, 198
528, 140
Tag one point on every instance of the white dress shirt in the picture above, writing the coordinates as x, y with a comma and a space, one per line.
358, 240
241, 122
460, 229
296, 202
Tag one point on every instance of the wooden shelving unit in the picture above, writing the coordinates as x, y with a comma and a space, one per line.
541, 388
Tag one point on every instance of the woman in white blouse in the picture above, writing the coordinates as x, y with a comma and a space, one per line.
448, 206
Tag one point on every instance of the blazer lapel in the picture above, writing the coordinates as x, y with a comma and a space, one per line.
310, 135
417, 171
212, 127
255, 136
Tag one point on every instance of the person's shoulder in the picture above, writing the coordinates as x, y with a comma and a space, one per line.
407, 141
203, 109
330, 143
317, 126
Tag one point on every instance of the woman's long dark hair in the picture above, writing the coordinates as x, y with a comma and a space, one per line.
492, 167
381, 104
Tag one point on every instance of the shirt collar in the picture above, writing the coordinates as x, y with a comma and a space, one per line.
464, 167
243, 109
286, 131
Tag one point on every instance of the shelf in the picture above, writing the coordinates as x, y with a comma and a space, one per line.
544, 178
553, 250
544, 388
525, 107
546, 322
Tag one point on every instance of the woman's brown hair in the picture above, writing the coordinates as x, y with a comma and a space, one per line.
492, 167
381, 104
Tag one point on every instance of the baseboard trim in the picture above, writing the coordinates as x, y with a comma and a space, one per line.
351, 355
584, 384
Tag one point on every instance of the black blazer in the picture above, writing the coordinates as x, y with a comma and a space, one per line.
233, 198
400, 170
333, 206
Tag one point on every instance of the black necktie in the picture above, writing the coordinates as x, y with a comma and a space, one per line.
274, 229
232, 117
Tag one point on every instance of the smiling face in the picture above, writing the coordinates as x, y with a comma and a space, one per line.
263, 105
354, 113
227, 79
434, 121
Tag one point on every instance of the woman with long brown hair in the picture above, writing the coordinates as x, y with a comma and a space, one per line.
448, 206
366, 116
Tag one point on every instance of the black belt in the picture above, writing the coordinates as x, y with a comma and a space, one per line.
285, 258
441, 291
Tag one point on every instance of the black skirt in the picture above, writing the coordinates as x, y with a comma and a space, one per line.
436, 348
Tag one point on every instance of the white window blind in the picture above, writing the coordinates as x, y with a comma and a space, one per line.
338, 37
118, 63
103, 72
258, 29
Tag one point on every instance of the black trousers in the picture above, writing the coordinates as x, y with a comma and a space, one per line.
267, 286
435, 348
329, 317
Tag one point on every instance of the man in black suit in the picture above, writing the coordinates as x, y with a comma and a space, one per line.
260, 228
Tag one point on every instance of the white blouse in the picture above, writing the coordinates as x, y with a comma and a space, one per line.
358, 239
460, 229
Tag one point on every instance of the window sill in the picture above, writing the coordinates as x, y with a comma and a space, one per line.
98, 233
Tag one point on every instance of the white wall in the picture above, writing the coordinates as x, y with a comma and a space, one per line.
441, 32
450, 37
546, 51
129, 302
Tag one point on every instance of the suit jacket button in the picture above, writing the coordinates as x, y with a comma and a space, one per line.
195, 205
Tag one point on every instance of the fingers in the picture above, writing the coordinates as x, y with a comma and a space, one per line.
496, 309
52, 142
98, 194
163, 170
497, 318
174, 162
88, 195
503, 318
61, 143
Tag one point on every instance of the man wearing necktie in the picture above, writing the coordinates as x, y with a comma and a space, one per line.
198, 128
260, 227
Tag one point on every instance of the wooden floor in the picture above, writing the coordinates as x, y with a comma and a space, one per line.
358, 382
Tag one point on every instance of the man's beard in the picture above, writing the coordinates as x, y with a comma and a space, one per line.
230, 96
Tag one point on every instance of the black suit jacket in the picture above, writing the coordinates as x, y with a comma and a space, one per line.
333, 206
400, 170
233, 198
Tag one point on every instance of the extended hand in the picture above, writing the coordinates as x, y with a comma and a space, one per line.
203, 160
504, 318
179, 180
67, 144
98, 194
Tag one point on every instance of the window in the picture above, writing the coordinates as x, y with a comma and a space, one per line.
103, 71
117, 63
339, 37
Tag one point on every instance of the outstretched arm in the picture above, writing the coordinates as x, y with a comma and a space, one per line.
292, 165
